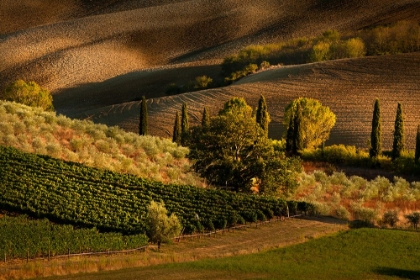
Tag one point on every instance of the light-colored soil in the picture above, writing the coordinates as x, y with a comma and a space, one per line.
98, 56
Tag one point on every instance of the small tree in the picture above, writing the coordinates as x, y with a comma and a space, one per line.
202, 82
290, 135
417, 155
399, 138
30, 94
414, 219
375, 136
390, 218
176, 136
160, 227
205, 121
143, 117
263, 117
185, 126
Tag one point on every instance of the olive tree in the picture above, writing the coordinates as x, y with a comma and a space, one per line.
160, 227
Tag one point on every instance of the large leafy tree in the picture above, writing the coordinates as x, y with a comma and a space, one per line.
399, 138
316, 121
143, 117
30, 94
375, 136
234, 149
160, 226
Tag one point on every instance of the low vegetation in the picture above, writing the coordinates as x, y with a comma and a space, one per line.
26, 238
355, 198
75, 194
355, 254
33, 130
400, 37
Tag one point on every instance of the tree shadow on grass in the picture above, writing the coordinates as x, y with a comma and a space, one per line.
397, 272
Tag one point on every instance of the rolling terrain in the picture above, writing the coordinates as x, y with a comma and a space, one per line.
99, 57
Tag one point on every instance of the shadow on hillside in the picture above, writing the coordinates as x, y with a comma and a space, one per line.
151, 83
396, 272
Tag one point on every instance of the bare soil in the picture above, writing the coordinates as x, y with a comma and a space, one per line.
99, 57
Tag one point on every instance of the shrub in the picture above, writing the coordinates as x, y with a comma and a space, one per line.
390, 218
342, 213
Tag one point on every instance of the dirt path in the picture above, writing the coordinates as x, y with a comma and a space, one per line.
231, 243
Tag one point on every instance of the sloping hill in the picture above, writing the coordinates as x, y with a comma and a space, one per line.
97, 57
348, 86
92, 41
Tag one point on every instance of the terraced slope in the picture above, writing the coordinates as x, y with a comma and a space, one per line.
348, 86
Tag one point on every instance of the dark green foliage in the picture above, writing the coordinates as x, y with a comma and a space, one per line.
205, 121
297, 131
375, 136
413, 219
417, 154
289, 136
143, 117
185, 126
399, 138
22, 237
235, 151
263, 117
75, 194
390, 218
176, 136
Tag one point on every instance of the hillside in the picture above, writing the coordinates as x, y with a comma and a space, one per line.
349, 87
97, 57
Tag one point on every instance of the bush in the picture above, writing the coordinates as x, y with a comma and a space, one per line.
390, 218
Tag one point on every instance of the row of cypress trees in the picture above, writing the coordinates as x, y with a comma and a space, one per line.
293, 136
398, 144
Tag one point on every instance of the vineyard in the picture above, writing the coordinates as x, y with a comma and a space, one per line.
25, 238
72, 193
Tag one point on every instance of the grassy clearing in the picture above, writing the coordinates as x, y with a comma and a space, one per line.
233, 243
356, 254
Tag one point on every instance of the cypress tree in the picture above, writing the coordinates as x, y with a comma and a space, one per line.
297, 133
399, 139
263, 117
143, 117
176, 136
185, 127
375, 136
289, 135
205, 121
417, 155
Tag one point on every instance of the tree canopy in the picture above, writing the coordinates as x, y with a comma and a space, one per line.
160, 227
235, 150
30, 94
316, 121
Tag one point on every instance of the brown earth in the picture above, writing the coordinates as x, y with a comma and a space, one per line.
97, 57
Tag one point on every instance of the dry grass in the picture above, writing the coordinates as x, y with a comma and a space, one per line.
245, 241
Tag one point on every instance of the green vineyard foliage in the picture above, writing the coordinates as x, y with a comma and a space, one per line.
71, 193
22, 238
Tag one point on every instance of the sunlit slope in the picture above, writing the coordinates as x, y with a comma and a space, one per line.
87, 42
348, 86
